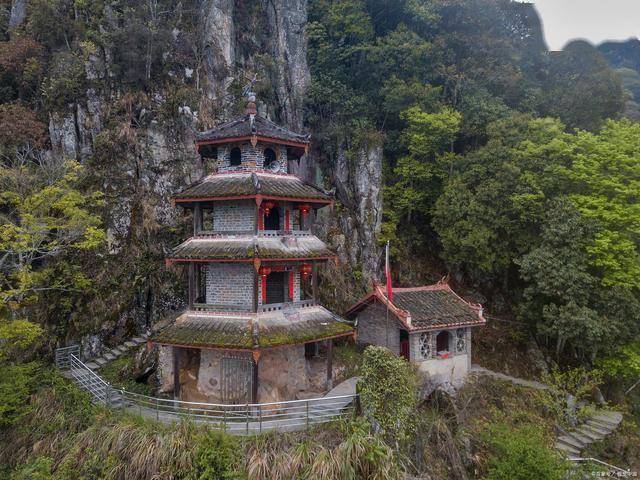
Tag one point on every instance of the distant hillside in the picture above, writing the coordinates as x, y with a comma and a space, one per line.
625, 58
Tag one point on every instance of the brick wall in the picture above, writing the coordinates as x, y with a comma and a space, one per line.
233, 216
252, 157
229, 284
372, 327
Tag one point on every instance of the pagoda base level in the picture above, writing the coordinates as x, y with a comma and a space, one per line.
221, 376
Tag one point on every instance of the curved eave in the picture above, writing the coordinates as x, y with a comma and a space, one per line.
171, 260
187, 201
259, 138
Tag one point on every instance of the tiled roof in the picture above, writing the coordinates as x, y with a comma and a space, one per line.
249, 184
248, 247
254, 331
428, 307
243, 127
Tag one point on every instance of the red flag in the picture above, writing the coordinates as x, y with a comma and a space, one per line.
387, 273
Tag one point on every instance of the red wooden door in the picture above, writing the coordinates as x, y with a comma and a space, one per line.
404, 348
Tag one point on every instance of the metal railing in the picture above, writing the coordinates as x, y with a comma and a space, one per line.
245, 418
63, 356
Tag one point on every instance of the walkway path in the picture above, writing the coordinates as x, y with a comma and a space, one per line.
115, 352
598, 426
570, 444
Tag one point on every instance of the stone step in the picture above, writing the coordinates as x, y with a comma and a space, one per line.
608, 416
115, 352
567, 450
130, 344
602, 424
139, 340
101, 361
581, 438
590, 433
109, 356
597, 429
572, 442
92, 365
122, 348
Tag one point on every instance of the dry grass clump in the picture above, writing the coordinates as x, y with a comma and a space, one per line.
351, 452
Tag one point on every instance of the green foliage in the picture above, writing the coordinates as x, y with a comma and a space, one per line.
38, 469
17, 382
388, 392
624, 363
522, 454
216, 457
568, 389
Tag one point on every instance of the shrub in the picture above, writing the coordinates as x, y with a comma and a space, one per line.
216, 457
388, 392
522, 454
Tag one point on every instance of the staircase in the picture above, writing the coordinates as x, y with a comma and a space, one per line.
115, 352
598, 426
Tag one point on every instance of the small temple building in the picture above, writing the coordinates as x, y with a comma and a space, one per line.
253, 328
429, 326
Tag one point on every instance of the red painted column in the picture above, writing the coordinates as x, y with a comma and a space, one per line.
291, 286
264, 288
287, 220
260, 219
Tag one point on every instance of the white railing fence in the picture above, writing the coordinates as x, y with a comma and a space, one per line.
246, 418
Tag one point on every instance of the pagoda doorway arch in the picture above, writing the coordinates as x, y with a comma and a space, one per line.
272, 221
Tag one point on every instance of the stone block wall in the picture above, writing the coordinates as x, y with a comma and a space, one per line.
252, 157
229, 284
165, 368
372, 327
235, 216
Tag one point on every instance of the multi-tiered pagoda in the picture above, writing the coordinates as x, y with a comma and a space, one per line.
253, 328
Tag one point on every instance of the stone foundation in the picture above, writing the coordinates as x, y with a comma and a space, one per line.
283, 374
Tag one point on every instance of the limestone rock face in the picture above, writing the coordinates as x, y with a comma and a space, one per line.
282, 374
358, 181
217, 33
165, 369
287, 22
18, 13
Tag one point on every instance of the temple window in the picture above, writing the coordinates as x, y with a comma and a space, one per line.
442, 342
275, 284
461, 340
235, 157
270, 160
272, 220
425, 345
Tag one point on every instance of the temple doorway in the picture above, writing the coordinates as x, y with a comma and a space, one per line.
236, 375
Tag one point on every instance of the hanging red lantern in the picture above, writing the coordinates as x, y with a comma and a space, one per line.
304, 209
306, 269
264, 271
267, 207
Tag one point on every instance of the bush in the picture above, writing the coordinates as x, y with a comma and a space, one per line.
522, 454
388, 392
216, 457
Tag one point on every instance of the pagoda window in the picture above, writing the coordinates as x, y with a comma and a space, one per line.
275, 285
235, 157
461, 340
272, 221
270, 159
443, 340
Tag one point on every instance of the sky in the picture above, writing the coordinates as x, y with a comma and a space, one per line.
593, 20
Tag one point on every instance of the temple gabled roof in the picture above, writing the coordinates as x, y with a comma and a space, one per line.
249, 247
248, 126
238, 185
254, 331
425, 308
